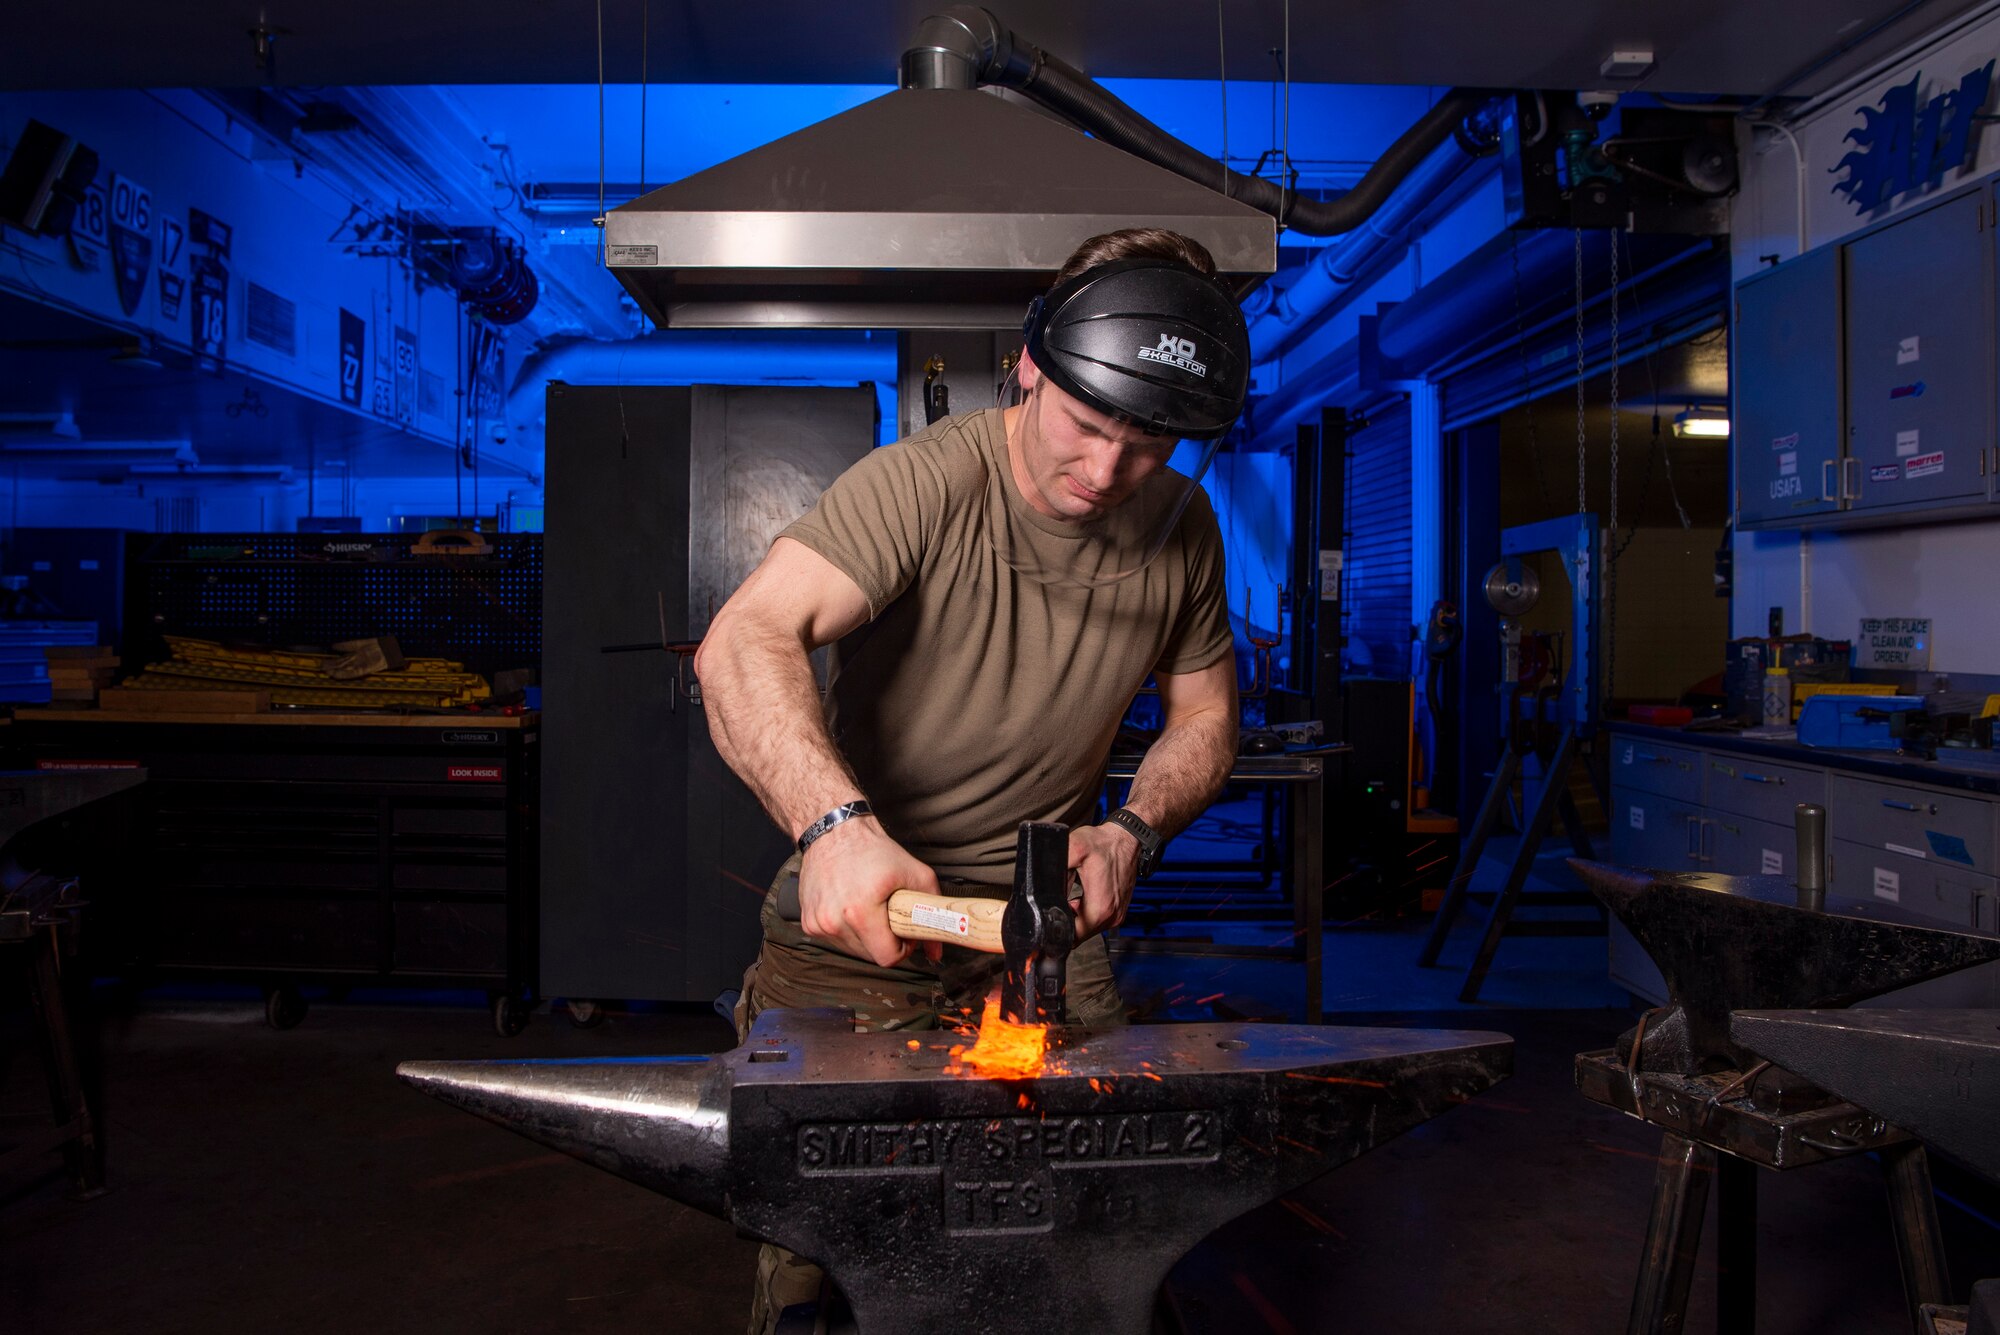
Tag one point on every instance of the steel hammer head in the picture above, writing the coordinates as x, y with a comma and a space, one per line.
1038, 929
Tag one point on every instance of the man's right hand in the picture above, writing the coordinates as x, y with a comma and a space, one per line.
845, 881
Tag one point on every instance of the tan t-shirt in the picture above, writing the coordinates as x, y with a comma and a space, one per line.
976, 698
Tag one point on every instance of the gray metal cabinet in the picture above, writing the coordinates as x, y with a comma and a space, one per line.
1787, 431
1920, 368
1922, 823
1869, 879
1761, 789
1745, 846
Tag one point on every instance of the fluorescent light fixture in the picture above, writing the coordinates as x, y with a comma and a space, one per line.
1702, 423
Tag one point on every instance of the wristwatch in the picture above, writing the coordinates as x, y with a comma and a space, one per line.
1150, 842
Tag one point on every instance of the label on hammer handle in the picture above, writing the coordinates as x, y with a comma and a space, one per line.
942, 920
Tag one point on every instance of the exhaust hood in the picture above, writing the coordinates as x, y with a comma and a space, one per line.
928, 208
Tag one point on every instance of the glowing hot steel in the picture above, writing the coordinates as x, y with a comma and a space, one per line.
1004, 1050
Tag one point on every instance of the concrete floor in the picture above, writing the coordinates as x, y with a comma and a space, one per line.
268, 1181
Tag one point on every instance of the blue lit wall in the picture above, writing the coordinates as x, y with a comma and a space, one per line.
483, 147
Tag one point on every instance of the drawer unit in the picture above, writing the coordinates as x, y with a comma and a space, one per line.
1655, 832
1760, 789
1742, 846
1921, 823
1921, 889
1648, 766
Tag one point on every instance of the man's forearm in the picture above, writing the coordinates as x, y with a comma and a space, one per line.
1184, 770
765, 716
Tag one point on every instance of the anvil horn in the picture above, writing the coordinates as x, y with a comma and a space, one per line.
1934, 1073
662, 1122
1727, 943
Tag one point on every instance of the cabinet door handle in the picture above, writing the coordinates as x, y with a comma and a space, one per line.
1826, 471
1764, 778
1908, 806
1855, 494
1649, 757
1694, 838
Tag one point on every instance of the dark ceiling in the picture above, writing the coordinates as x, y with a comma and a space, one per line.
1701, 46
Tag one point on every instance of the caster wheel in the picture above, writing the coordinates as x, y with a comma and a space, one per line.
510, 1016
585, 1014
284, 1007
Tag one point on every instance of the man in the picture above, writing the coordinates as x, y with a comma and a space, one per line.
997, 588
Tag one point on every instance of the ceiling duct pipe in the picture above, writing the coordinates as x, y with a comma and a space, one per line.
1280, 315
965, 46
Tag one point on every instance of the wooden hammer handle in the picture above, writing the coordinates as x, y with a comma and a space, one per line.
956, 920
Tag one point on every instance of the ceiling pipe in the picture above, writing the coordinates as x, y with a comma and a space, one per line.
1280, 315
965, 46
1443, 320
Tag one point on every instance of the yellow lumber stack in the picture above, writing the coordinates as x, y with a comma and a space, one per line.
77, 673
291, 677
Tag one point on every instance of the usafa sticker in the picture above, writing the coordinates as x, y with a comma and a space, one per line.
1906, 444
1924, 465
1770, 862
943, 920
1888, 885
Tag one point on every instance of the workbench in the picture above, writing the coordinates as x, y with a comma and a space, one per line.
296, 847
1302, 774
1911, 839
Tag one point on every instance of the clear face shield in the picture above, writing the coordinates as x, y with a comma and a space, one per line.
1087, 499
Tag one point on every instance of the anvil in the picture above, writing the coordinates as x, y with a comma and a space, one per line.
1727, 943
1934, 1073
945, 1203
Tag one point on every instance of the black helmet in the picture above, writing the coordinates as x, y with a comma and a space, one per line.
1149, 341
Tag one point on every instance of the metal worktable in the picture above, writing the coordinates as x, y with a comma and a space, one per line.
1302, 773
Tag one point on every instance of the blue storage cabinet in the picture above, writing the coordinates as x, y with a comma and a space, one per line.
1787, 434
1920, 368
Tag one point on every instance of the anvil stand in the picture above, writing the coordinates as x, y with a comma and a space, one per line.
1933, 1072
1714, 1129
1719, 1126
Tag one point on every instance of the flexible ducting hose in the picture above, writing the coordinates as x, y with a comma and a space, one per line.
966, 46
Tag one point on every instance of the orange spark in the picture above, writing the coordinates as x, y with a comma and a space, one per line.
1312, 1220
1335, 1080
1203, 1001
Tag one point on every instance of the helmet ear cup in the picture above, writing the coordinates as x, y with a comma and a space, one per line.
1034, 315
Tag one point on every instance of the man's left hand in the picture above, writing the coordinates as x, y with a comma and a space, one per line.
1106, 860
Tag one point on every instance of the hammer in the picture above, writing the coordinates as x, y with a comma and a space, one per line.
1033, 927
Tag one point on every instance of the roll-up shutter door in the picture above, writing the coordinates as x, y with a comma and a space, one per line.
1376, 578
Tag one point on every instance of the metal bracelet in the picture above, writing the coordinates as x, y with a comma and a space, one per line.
845, 811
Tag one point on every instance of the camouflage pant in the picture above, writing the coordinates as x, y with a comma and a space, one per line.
791, 971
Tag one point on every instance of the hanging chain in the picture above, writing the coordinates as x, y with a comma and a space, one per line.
1614, 385
1611, 566
1581, 503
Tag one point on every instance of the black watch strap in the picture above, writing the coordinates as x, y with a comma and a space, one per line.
1150, 842
845, 811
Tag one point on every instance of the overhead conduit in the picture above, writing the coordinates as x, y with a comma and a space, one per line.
967, 47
